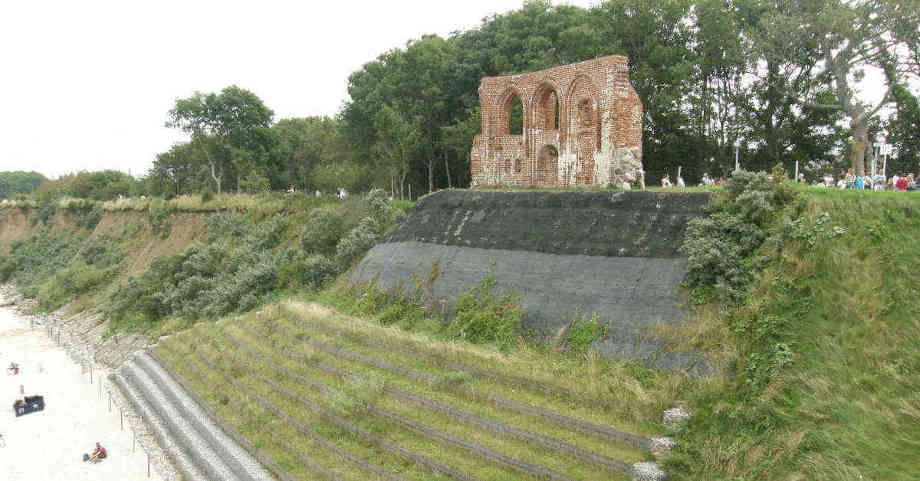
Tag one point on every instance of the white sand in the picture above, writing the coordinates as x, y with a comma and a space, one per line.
49, 445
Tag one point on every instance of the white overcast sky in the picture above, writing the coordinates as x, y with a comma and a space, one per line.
86, 84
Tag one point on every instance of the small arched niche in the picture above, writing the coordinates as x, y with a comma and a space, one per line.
547, 164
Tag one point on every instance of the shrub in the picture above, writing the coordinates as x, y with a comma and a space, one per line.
322, 231
43, 213
358, 241
207, 195
87, 213
158, 214
485, 315
318, 270
373, 299
255, 182
722, 250
226, 224
34, 260
582, 333
266, 234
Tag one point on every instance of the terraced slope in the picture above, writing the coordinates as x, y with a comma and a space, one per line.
333, 400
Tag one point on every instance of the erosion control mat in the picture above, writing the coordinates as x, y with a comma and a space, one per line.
568, 254
624, 224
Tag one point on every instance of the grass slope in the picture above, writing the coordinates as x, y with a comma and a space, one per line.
842, 295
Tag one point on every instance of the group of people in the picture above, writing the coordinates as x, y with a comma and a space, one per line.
340, 192
706, 181
849, 180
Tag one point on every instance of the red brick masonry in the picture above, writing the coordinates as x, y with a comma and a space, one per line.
582, 126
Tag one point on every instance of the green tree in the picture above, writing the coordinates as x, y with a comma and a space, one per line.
846, 38
301, 146
398, 142
18, 182
231, 128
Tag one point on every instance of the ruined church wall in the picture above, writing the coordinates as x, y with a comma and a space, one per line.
596, 145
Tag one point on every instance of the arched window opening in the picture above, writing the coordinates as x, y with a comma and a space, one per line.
555, 112
515, 116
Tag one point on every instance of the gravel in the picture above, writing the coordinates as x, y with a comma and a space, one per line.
243, 465
203, 445
647, 472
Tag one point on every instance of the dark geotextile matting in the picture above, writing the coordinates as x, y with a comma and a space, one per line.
595, 223
631, 293
567, 253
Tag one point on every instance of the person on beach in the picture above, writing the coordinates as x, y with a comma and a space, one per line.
98, 455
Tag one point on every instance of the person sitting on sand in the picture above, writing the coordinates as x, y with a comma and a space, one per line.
98, 455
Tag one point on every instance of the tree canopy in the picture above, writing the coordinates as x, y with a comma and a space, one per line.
773, 82
18, 182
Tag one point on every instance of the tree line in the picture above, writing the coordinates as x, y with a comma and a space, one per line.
769, 81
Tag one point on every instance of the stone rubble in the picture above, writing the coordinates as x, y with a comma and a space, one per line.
674, 416
647, 472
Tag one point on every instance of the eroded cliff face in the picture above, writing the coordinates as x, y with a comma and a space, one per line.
14, 225
131, 229
568, 254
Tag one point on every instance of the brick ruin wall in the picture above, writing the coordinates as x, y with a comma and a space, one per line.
582, 125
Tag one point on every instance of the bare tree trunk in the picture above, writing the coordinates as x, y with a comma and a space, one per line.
447, 169
860, 128
430, 175
217, 178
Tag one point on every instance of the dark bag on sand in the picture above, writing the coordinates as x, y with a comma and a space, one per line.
85, 457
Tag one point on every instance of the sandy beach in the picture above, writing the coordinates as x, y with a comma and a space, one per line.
49, 445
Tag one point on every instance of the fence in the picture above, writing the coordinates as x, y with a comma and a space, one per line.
59, 337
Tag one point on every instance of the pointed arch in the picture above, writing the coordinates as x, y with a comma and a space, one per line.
547, 102
504, 117
583, 125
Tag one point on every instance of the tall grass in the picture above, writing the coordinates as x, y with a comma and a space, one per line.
825, 385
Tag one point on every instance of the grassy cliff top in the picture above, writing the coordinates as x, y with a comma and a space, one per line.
834, 316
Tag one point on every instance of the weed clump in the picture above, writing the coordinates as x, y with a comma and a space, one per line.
486, 315
582, 333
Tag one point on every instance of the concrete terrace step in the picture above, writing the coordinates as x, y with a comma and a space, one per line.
183, 462
236, 457
198, 445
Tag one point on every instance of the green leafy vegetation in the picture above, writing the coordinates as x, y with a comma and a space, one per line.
819, 388
722, 248
17, 183
245, 260
34, 260
486, 315
582, 333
